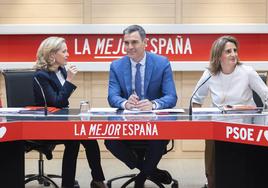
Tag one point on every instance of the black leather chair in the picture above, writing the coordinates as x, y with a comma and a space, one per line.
19, 93
139, 148
256, 97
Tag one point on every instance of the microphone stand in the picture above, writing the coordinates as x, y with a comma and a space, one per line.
43, 95
191, 105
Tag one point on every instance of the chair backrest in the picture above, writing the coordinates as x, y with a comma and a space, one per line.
256, 97
19, 87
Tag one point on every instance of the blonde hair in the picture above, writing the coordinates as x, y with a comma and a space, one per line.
48, 47
216, 52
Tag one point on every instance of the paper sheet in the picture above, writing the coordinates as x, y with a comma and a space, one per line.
103, 109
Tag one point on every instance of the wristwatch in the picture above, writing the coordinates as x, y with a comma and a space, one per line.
154, 105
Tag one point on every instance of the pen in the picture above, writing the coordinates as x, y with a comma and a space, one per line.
134, 92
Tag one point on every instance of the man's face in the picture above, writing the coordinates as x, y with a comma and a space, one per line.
134, 46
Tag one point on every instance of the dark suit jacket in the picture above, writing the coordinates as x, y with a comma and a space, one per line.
158, 81
56, 94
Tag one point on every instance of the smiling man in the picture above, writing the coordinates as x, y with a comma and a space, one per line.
142, 81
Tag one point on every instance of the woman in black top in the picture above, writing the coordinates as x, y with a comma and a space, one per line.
58, 86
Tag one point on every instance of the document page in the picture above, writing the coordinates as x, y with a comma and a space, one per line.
103, 109
10, 110
206, 110
170, 110
136, 111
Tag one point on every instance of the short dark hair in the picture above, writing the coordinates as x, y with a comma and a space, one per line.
134, 28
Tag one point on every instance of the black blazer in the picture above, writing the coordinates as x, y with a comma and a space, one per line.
56, 94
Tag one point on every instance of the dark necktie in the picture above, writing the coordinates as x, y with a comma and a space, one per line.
138, 80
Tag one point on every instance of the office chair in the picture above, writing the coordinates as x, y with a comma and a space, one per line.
256, 97
141, 147
19, 93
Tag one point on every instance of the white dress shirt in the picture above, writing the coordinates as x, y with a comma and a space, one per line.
133, 74
231, 89
60, 77
134, 70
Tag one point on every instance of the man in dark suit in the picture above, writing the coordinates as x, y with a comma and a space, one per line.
141, 80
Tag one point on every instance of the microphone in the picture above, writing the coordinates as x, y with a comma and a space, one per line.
43, 95
191, 105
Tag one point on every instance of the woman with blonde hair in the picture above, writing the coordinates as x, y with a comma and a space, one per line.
57, 83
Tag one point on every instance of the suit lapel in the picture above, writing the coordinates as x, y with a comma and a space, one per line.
63, 72
55, 79
148, 72
127, 76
